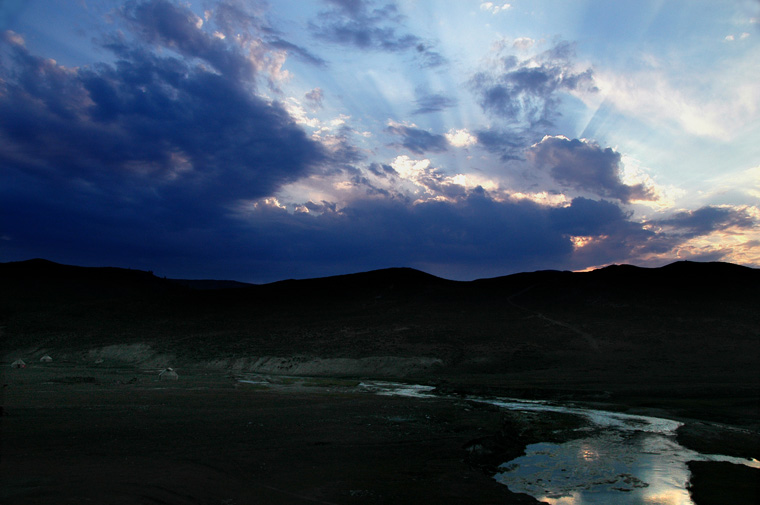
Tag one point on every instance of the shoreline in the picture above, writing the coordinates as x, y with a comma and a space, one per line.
455, 443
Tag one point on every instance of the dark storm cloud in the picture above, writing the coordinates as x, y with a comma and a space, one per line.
584, 165
467, 236
383, 232
342, 151
433, 103
163, 23
149, 121
615, 235
146, 153
165, 158
362, 24
381, 170
418, 141
587, 217
525, 92
508, 145
708, 219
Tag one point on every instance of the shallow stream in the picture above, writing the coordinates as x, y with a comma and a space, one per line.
618, 458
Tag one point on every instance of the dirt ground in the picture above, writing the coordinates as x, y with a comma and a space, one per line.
74, 434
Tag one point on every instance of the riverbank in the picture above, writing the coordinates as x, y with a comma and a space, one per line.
715, 483
72, 435
118, 435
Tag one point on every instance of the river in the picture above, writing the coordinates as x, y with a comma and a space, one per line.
617, 458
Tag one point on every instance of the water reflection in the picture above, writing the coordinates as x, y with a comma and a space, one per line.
610, 467
624, 459
627, 466
588, 454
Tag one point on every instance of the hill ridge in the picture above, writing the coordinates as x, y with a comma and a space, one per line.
41, 265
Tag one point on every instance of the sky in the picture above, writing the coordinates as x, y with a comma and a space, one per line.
260, 141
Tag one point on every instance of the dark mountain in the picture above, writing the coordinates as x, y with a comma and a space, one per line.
685, 323
210, 284
39, 275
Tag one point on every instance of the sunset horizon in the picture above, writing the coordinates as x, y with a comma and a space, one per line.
260, 141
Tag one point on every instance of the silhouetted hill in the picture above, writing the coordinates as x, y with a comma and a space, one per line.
377, 284
686, 323
40, 282
42, 279
210, 284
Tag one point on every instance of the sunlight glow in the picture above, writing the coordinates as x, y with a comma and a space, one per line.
410, 169
649, 115
588, 453
652, 96
543, 198
581, 241
460, 138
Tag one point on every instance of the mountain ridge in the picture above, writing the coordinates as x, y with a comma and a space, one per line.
679, 269
689, 325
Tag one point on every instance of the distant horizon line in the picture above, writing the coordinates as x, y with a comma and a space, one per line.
585, 270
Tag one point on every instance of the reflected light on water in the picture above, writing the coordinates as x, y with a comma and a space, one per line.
670, 497
587, 453
624, 460
573, 499
625, 468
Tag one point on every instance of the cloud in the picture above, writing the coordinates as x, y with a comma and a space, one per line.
315, 97
508, 145
466, 236
159, 141
168, 155
731, 38
418, 181
710, 233
447, 238
162, 23
586, 217
584, 165
705, 220
433, 103
300, 52
494, 8
361, 24
338, 144
245, 22
416, 140
460, 138
233, 38
14, 38
523, 43
381, 170
678, 99
525, 93
404, 178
